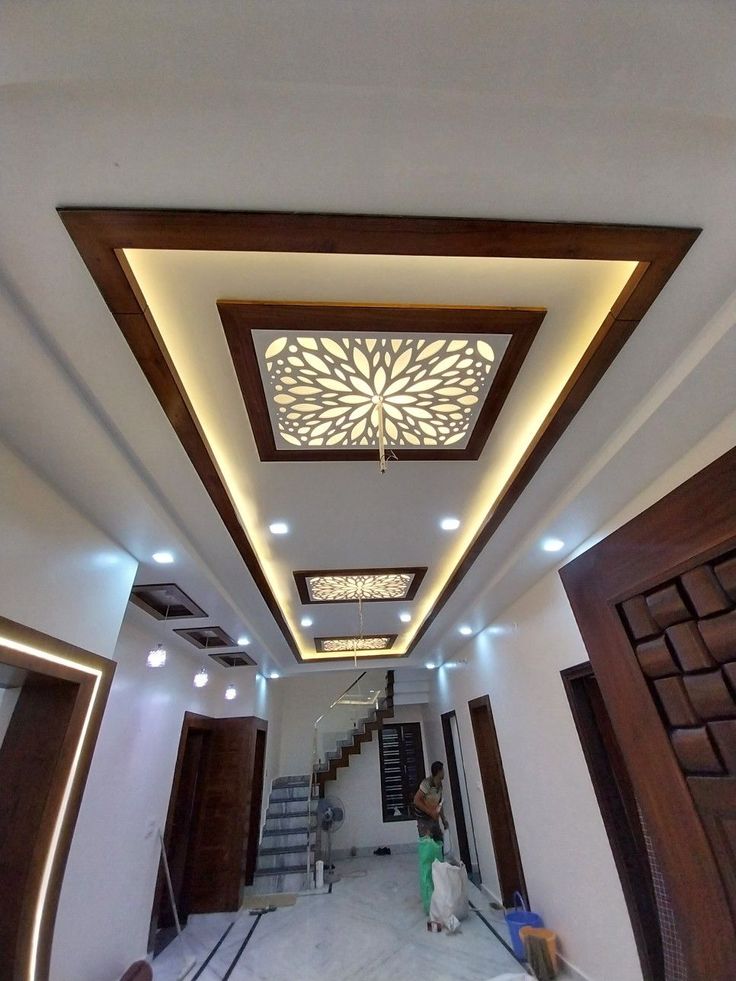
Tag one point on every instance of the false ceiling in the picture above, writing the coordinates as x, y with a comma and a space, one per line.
290, 351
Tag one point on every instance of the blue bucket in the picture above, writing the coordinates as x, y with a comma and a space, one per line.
518, 918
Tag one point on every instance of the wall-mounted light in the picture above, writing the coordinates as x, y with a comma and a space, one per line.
156, 657
201, 678
231, 692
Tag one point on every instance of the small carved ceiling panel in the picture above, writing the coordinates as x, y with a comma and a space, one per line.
350, 645
366, 585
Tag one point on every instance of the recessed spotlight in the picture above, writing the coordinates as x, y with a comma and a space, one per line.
405, 617
279, 528
450, 524
243, 641
306, 621
430, 666
201, 678
231, 692
465, 630
552, 544
156, 657
163, 558
259, 676
275, 674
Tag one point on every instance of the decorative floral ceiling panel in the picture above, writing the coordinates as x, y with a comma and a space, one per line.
334, 381
351, 585
352, 645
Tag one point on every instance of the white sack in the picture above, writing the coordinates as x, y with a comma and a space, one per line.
450, 896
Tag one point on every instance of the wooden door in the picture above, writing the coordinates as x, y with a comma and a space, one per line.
498, 805
457, 801
656, 605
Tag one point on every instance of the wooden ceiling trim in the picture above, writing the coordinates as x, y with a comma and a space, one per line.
100, 233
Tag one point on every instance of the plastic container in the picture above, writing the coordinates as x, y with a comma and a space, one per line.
549, 937
518, 918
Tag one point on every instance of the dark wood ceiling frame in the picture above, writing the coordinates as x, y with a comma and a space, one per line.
100, 235
160, 606
206, 638
45, 760
319, 643
240, 319
418, 573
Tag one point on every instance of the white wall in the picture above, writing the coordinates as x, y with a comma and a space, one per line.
567, 860
303, 699
359, 788
58, 573
8, 698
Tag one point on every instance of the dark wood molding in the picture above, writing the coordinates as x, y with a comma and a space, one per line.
141, 596
498, 805
100, 235
617, 803
241, 318
453, 774
197, 637
71, 700
417, 572
623, 578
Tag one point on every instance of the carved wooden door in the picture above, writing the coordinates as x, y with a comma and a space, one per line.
656, 605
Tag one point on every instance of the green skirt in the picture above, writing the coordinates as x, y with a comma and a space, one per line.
429, 850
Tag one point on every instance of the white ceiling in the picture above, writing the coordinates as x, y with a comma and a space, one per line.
580, 111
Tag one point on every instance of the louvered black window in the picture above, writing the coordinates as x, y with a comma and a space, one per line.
402, 769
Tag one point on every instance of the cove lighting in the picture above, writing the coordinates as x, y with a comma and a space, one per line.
201, 678
231, 692
243, 641
279, 528
465, 631
163, 558
275, 674
450, 524
552, 544
306, 621
156, 657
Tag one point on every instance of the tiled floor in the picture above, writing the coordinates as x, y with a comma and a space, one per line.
370, 928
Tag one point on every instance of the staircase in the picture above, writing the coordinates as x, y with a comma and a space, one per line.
362, 733
287, 832
290, 828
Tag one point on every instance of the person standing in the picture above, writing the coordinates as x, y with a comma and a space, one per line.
430, 821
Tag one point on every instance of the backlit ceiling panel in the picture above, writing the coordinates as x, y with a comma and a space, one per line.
366, 585
351, 645
330, 391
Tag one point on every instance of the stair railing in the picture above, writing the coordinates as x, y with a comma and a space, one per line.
366, 694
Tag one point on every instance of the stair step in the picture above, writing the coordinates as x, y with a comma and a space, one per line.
297, 781
286, 850
283, 870
298, 830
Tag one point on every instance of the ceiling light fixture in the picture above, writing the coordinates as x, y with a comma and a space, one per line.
430, 666
201, 678
552, 544
231, 692
156, 657
163, 558
450, 524
465, 630
243, 641
275, 674
278, 528
306, 621
405, 617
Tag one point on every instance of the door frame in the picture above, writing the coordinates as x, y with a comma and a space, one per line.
498, 805
461, 830
621, 819
658, 544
